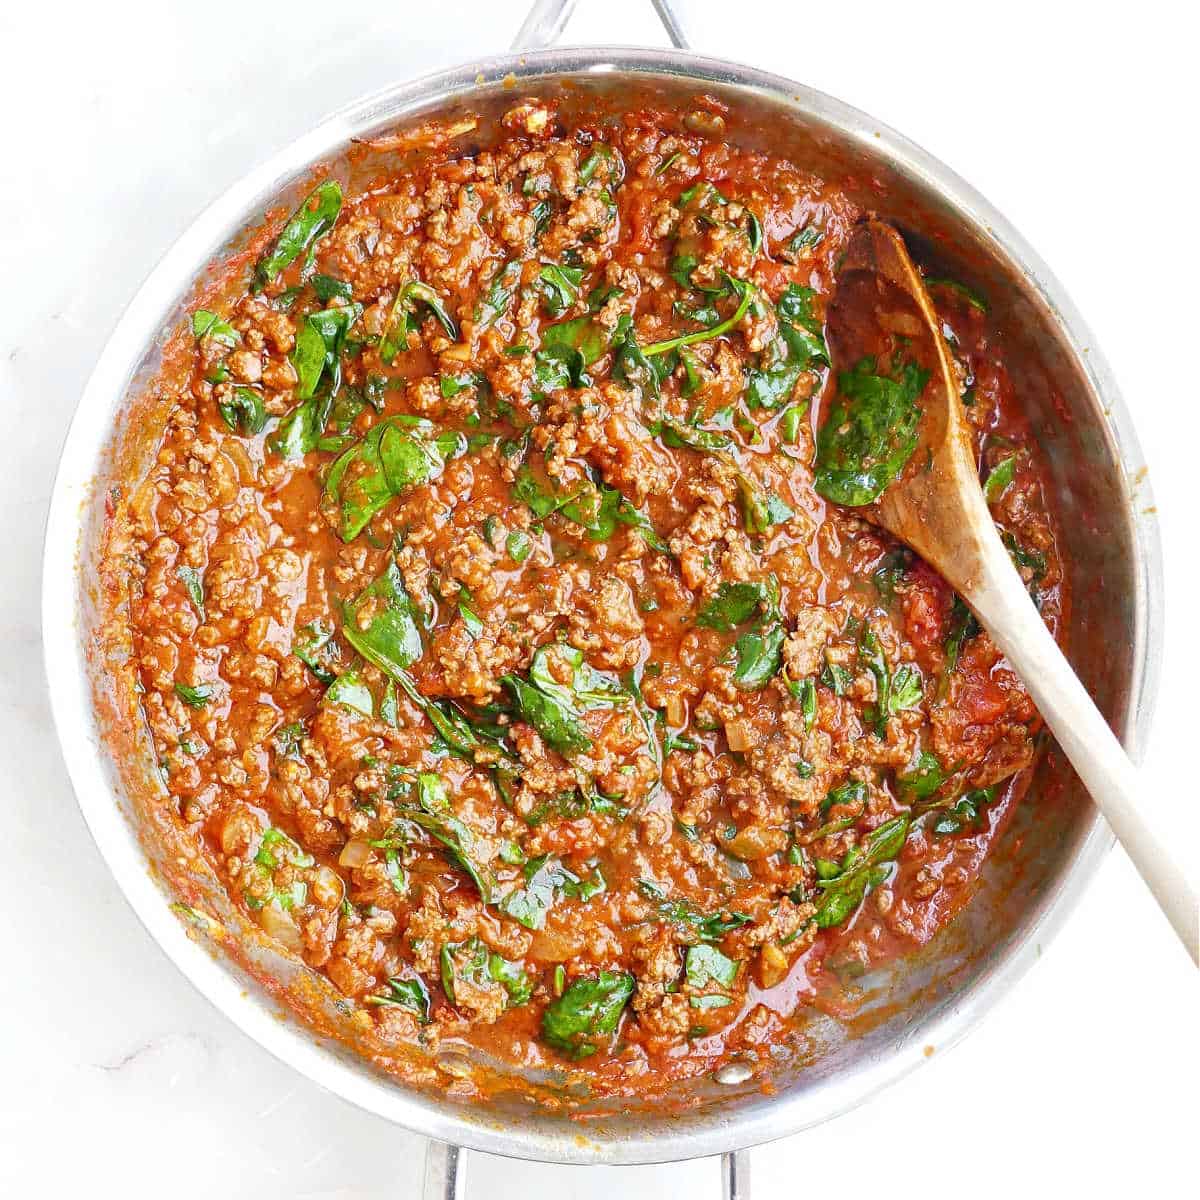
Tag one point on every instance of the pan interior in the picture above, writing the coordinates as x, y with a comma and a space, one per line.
923, 1000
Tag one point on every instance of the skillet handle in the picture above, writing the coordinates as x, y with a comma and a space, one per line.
548, 18
445, 1165
446, 1175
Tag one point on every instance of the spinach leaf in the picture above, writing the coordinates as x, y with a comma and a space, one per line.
470, 617
405, 993
328, 288
1023, 557
435, 817
759, 657
207, 324
630, 364
893, 692
803, 240
791, 422
836, 678
192, 579
706, 963
869, 434
471, 963
499, 294
969, 294
243, 412
394, 455
796, 348
964, 627
350, 691
315, 637
676, 434
447, 720
964, 812
518, 546
559, 287
195, 697
558, 725
736, 603
628, 514
589, 1009
864, 867
743, 289
923, 778
761, 508
391, 638
709, 928
603, 158
311, 221
300, 432
554, 708
999, 478
318, 349
404, 307
546, 879
568, 349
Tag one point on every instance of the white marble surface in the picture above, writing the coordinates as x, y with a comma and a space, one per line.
120, 122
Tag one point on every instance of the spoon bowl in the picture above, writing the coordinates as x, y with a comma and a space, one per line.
935, 504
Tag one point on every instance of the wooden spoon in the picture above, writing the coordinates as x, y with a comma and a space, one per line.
937, 507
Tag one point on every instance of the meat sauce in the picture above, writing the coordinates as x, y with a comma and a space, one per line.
499, 647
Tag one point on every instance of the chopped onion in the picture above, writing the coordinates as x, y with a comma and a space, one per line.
739, 734
356, 853
281, 926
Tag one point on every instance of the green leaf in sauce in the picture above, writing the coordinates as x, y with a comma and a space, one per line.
797, 347
381, 624
742, 289
500, 292
864, 867
308, 647
559, 287
546, 879
736, 603
192, 579
311, 221
802, 242
394, 455
438, 820
328, 288
964, 812
999, 478
243, 412
762, 509
349, 691
588, 1011
195, 697
894, 692
518, 546
705, 964
869, 433
207, 324
316, 342
923, 778
969, 294
759, 655
471, 965
405, 993
554, 708
408, 297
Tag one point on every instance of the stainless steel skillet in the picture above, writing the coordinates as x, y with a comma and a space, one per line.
1056, 841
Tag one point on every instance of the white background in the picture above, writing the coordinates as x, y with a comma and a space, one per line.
120, 121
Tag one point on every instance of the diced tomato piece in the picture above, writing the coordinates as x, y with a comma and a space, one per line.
927, 600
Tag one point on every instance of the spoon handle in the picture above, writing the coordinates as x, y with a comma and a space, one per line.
1004, 608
